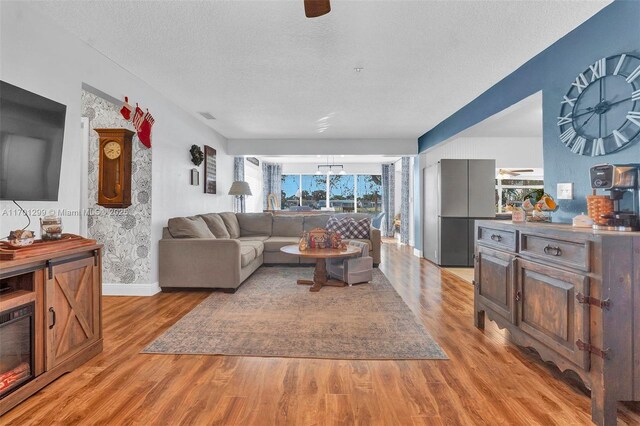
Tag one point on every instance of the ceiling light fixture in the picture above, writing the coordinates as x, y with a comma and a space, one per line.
329, 168
358, 69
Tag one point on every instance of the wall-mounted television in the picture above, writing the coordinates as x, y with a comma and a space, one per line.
31, 137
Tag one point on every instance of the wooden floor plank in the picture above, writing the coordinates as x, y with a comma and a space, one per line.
487, 380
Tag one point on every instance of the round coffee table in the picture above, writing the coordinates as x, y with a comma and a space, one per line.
321, 256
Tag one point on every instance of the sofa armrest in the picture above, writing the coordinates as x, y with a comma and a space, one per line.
375, 235
199, 262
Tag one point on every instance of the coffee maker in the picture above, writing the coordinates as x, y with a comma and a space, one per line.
621, 181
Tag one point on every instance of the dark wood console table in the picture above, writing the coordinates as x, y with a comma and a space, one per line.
573, 295
62, 289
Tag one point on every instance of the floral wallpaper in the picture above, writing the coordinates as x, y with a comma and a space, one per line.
125, 233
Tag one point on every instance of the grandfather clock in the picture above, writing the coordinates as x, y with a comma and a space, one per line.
114, 175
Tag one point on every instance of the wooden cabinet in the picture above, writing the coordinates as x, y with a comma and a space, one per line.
67, 287
72, 307
576, 298
548, 309
494, 284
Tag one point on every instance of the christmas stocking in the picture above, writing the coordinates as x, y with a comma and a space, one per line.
138, 117
126, 109
144, 134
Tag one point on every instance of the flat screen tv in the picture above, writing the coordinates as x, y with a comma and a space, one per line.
31, 135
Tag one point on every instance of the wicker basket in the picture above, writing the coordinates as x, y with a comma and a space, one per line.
598, 205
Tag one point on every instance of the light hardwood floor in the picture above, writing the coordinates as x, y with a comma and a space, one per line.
487, 381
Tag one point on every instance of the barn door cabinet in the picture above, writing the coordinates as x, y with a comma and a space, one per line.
65, 289
571, 294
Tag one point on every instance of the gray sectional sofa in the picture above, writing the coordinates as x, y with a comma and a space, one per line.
221, 250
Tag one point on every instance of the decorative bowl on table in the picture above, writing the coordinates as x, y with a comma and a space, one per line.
20, 238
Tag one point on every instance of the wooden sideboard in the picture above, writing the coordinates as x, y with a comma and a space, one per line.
64, 288
571, 294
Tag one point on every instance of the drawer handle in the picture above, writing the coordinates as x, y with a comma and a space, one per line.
553, 251
496, 237
518, 296
53, 318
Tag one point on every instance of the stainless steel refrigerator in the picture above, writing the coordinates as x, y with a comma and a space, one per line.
456, 193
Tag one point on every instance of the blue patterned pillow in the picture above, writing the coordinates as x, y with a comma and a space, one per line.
360, 229
339, 224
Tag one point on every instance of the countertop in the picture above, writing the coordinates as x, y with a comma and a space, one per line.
550, 226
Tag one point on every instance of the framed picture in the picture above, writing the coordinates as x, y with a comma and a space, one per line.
195, 177
209, 170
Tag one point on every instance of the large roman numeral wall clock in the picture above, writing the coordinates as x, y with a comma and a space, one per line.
600, 114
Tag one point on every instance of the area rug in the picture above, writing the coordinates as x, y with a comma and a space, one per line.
271, 316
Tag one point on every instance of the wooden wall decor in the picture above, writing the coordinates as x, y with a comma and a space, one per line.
209, 170
114, 174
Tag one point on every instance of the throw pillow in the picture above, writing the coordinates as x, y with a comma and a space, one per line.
189, 227
360, 229
339, 224
231, 222
216, 225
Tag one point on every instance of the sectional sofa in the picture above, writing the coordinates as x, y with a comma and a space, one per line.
221, 250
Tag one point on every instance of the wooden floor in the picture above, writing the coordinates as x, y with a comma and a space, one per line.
487, 381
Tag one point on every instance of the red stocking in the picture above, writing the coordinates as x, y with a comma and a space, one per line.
126, 109
138, 117
144, 134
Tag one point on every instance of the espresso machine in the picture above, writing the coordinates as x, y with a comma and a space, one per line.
621, 181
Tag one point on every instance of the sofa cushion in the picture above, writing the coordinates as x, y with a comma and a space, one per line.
258, 246
247, 254
313, 221
216, 225
231, 222
262, 238
276, 243
255, 223
362, 240
287, 226
189, 227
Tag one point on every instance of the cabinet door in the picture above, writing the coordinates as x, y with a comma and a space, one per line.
548, 309
494, 281
72, 308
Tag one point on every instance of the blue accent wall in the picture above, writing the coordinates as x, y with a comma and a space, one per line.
615, 29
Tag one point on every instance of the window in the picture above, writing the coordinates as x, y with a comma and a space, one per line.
369, 193
341, 193
290, 191
512, 192
347, 193
314, 191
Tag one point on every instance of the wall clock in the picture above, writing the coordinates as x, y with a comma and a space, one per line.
600, 113
114, 173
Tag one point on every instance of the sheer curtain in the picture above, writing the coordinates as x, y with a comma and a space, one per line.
404, 209
388, 198
238, 175
271, 183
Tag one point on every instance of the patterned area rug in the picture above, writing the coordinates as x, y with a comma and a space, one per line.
271, 316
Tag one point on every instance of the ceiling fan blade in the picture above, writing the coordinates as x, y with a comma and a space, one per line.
315, 8
522, 170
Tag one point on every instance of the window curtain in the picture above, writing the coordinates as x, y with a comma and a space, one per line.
271, 183
404, 202
388, 198
238, 175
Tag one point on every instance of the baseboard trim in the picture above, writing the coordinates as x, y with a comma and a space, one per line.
417, 253
111, 289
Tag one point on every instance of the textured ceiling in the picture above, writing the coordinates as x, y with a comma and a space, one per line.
265, 71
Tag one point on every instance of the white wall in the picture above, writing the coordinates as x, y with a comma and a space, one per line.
508, 152
39, 56
254, 147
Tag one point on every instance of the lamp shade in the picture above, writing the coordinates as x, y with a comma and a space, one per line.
240, 188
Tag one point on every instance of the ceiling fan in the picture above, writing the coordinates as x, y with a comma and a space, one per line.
315, 8
514, 172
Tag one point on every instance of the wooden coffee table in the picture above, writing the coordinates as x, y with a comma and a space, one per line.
321, 256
